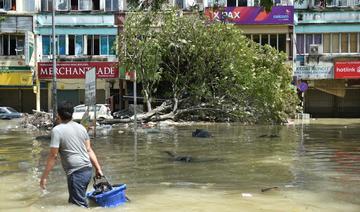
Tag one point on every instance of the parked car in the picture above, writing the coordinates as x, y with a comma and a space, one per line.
102, 112
9, 113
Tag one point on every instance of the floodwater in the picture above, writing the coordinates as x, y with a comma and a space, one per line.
315, 167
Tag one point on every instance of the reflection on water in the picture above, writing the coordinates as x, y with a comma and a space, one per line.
316, 167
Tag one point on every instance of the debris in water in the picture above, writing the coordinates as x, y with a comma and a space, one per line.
268, 189
246, 195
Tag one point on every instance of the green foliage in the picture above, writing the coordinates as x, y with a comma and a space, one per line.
216, 72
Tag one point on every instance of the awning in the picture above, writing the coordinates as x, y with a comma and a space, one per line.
16, 78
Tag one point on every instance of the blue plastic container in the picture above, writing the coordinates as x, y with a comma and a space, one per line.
110, 199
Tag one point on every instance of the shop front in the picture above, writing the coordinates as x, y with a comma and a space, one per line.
334, 89
71, 79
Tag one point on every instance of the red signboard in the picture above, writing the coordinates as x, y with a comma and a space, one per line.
347, 70
77, 70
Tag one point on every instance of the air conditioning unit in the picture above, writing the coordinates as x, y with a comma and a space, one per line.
315, 49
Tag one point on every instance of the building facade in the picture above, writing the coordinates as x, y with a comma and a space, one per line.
328, 56
85, 38
17, 58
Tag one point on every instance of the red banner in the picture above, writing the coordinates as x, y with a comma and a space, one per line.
77, 70
347, 70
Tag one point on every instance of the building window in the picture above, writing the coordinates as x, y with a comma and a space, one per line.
344, 43
236, 3
12, 44
111, 5
332, 42
335, 43
107, 44
61, 46
277, 41
303, 42
96, 4
300, 43
342, 3
327, 43
76, 45
353, 42
62, 5
78, 5
8, 4
93, 45
85, 4
46, 5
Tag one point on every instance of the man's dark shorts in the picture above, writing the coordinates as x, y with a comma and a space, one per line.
78, 182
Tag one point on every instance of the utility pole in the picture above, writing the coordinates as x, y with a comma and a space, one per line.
54, 87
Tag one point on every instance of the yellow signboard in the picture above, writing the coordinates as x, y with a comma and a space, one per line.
16, 79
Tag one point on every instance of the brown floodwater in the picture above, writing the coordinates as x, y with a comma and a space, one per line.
315, 167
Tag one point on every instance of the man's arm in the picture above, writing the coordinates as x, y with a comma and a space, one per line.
93, 158
51, 160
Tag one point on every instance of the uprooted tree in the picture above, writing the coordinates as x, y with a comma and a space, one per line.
208, 70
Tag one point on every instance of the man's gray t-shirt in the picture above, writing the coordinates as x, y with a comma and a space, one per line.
70, 139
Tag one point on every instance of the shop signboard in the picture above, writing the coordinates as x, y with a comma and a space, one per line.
29, 49
314, 72
77, 70
252, 15
90, 87
347, 70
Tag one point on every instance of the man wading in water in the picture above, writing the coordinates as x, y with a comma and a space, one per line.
72, 142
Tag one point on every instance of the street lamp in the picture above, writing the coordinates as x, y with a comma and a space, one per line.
54, 91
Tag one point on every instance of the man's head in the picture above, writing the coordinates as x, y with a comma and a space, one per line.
65, 111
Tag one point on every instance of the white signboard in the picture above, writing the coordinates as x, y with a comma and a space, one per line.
90, 87
314, 72
29, 49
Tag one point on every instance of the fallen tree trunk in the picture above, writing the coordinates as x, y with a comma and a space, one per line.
153, 115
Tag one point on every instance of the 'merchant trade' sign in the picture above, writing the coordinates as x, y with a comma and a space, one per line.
77, 70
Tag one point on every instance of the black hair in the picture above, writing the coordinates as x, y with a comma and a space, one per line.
65, 110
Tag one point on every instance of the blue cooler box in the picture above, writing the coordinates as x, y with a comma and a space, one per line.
110, 199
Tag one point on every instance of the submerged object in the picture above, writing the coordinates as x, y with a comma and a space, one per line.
200, 133
268, 189
181, 158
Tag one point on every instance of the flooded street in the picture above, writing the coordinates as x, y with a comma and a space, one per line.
315, 167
